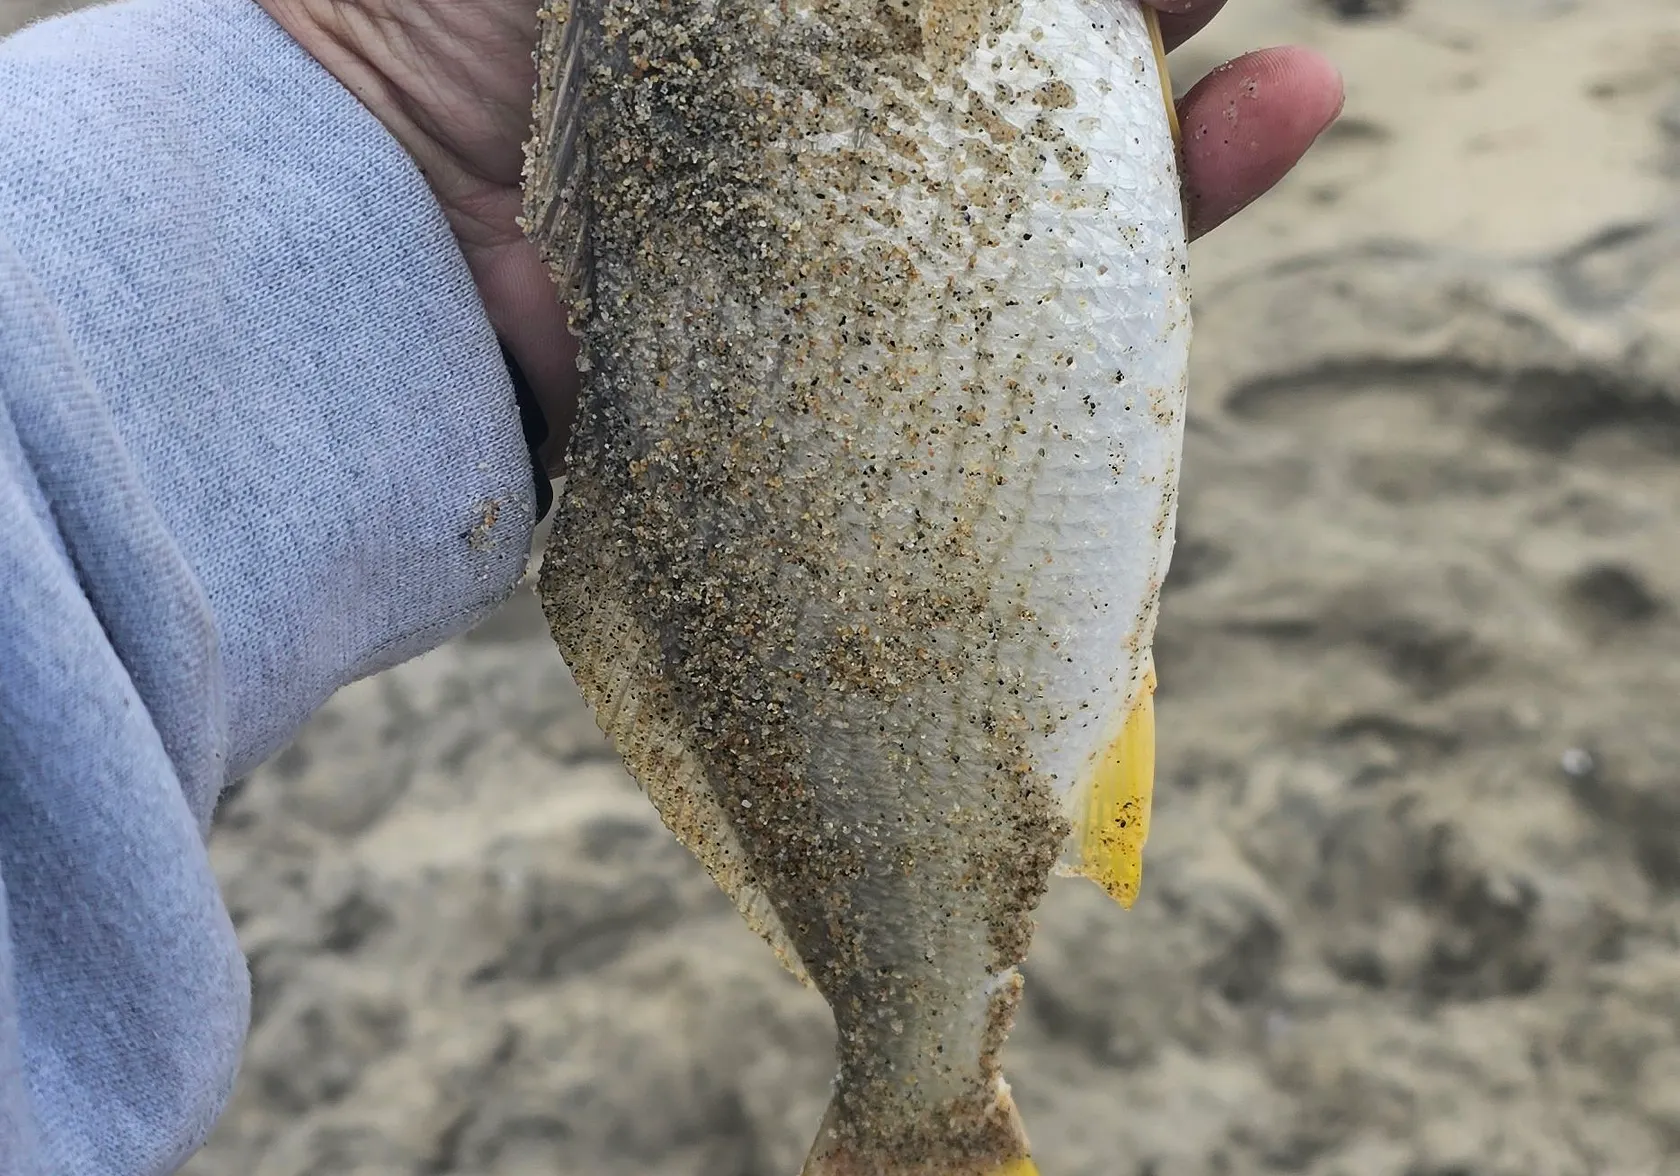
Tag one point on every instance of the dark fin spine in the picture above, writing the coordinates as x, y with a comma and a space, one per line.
556, 205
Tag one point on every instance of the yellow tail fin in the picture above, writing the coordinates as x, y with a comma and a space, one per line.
1111, 806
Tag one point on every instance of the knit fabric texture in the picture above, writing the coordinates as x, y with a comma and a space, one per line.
256, 441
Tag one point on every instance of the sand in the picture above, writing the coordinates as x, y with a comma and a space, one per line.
1410, 904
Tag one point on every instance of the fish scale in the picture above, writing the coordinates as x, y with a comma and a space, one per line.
884, 324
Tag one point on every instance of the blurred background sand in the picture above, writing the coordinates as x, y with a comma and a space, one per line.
1411, 899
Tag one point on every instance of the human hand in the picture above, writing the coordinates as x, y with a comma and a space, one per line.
1249, 121
452, 80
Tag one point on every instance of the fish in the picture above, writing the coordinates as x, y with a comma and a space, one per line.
883, 320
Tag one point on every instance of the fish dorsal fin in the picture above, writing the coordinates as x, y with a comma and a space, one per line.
615, 660
1109, 806
556, 207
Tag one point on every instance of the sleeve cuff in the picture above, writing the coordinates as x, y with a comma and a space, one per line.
261, 285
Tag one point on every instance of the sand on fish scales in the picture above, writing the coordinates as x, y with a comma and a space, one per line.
475, 953
870, 499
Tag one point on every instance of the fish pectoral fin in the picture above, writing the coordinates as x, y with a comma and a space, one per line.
1110, 806
556, 213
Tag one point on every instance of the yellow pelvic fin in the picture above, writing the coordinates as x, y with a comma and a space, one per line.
1153, 19
1111, 810
1020, 1167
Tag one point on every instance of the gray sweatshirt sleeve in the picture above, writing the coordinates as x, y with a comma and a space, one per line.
256, 441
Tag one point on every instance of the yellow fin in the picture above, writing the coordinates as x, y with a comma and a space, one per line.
1020, 1167
1153, 20
1110, 810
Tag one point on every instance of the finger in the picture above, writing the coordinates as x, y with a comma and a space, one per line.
1247, 123
1183, 19
521, 303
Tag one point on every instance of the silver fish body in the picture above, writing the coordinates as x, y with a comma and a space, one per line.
885, 322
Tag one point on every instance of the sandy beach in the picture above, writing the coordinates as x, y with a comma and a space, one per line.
1412, 900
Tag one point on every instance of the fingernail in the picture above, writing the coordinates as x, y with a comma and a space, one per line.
1341, 105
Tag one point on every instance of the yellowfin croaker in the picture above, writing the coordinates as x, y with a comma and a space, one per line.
884, 318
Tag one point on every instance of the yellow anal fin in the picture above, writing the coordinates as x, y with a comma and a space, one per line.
1153, 19
1111, 808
